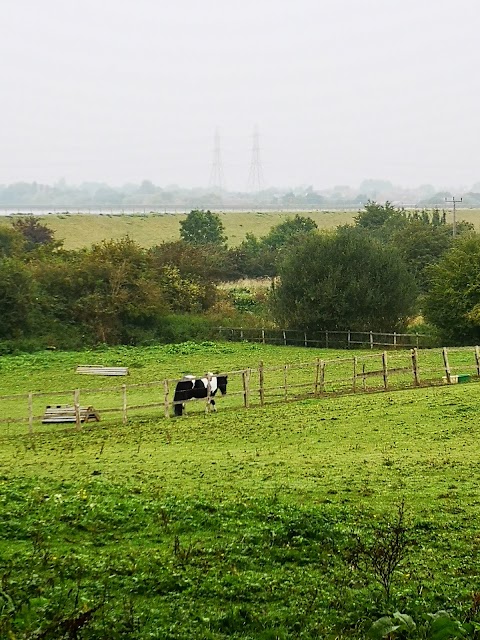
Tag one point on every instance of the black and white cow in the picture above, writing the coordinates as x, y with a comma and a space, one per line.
191, 387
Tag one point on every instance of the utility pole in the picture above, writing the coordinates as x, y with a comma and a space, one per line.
454, 202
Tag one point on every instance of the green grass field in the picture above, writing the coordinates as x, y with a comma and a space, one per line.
80, 230
244, 523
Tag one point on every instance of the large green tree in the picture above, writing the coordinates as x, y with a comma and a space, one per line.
202, 228
343, 280
453, 300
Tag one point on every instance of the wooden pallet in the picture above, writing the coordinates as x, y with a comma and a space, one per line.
66, 413
96, 370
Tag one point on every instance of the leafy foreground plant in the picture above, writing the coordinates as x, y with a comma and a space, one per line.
92, 560
435, 626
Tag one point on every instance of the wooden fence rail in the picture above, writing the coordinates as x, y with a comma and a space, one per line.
252, 387
327, 339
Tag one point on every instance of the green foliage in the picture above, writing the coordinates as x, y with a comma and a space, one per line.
434, 626
202, 228
18, 298
385, 627
282, 234
114, 292
253, 258
377, 217
107, 290
421, 237
421, 244
203, 263
259, 257
184, 294
453, 300
181, 328
12, 242
247, 301
343, 281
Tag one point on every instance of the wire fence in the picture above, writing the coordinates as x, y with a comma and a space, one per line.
23, 414
328, 339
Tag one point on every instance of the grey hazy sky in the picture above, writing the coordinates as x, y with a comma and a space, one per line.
341, 90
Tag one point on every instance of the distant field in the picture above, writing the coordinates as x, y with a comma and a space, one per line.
81, 230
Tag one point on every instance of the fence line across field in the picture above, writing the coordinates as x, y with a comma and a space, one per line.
328, 339
258, 386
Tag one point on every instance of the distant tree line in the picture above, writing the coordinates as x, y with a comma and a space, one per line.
378, 273
150, 196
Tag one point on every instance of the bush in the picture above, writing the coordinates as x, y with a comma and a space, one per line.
183, 328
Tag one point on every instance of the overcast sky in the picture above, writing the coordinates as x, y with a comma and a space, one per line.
341, 90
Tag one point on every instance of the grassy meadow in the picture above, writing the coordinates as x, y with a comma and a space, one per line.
265, 523
80, 230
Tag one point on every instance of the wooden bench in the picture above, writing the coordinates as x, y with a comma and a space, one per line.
97, 370
66, 413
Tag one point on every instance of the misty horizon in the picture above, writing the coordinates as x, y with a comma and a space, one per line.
146, 196
122, 92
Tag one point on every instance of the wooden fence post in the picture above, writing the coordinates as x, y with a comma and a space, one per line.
76, 404
246, 388
124, 403
394, 340
364, 378
446, 364
305, 338
30, 413
285, 372
262, 383
349, 339
477, 359
355, 364
284, 338
385, 370
263, 336
416, 373
371, 339
166, 404
317, 376
322, 376
209, 393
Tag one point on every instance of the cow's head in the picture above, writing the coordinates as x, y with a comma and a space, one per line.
222, 384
